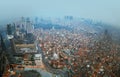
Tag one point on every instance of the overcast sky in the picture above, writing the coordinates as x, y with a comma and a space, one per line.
105, 10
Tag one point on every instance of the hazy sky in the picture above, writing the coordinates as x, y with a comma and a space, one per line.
105, 10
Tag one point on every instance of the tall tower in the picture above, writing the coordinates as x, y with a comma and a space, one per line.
29, 26
3, 47
5, 41
3, 60
23, 23
9, 29
10, 36
6, 47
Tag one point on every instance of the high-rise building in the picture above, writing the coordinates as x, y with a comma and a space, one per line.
10, 34
9, 29
20, 25
6, 47
68, 17
13, 47
5, 41
3, 60
29, 26
23, 24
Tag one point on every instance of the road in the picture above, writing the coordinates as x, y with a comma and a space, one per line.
49, 68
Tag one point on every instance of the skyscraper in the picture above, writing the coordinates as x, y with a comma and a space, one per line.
6, 47
5, 42
3, 61
29, 26
9, 29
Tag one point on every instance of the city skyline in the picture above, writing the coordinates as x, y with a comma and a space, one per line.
71, 46
106, 11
